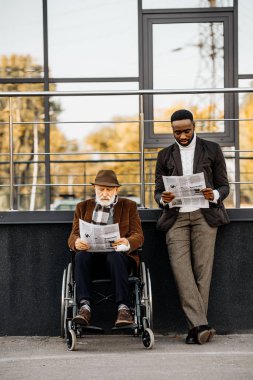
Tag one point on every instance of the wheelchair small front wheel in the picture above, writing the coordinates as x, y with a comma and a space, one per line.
148, 338
71, 340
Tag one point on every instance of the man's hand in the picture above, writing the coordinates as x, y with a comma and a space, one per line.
167, 196
121, 244
81, 245
208, 194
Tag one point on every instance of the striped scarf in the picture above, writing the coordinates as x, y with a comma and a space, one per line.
101, 213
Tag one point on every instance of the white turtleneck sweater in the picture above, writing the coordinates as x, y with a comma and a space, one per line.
187, 157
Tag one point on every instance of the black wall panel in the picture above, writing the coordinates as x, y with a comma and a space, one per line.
33, 256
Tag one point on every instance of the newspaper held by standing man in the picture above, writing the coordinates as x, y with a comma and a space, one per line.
187, 190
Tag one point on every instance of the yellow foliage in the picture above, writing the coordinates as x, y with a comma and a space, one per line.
31, 112
119, 137
246, 143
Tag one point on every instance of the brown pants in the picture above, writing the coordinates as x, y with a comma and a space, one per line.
191, 243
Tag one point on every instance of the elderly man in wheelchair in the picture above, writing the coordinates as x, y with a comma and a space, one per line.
107, 208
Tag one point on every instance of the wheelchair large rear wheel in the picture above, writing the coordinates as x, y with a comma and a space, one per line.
147, 296
63, 311
150, 300
66, 298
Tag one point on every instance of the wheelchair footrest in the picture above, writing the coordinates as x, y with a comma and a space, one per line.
127, 327
91, 329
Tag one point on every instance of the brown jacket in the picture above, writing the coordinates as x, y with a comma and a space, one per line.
125, 213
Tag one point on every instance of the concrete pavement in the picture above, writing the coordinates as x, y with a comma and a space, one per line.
113, 357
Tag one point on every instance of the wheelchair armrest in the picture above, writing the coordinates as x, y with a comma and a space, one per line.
139, 251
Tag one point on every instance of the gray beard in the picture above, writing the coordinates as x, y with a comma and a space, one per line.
105, 202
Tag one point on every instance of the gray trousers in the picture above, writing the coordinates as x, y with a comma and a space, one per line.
191, 243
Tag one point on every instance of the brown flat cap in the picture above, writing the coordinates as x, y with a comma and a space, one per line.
106, 178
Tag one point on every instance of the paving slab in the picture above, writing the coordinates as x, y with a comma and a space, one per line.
113, 357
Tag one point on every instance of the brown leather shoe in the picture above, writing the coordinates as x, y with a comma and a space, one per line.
212, 332
205, 334
83, 317
124, 318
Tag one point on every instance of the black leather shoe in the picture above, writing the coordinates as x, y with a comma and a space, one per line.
192, 336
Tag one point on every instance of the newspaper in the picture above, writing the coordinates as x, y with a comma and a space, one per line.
187, 190
99, 237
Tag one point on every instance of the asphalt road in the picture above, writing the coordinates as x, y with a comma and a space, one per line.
113, 357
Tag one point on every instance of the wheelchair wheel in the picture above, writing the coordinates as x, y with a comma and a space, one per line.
69, 281
147, 297
66, 299
63, 311
150, 300
148, 339
71, 340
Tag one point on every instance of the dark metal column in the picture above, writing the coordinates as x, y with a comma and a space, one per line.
46, 105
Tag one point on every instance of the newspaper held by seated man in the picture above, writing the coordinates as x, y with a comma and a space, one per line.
187, 190
99, 237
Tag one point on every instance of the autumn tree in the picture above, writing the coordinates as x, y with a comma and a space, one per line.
202, 114
122, 136
246, 143
29, 135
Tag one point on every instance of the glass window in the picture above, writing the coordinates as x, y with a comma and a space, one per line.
229, 154
93, 38
159, 4
28, 142
246, 145
99, 110
189, 55
245, 31
4, 182
103, 130
21, 39
245, 83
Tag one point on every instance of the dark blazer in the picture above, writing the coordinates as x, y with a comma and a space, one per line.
208, 158
125, 213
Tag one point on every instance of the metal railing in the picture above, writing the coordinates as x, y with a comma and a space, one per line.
141, 121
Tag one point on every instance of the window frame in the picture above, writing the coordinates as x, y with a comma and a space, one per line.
224, 15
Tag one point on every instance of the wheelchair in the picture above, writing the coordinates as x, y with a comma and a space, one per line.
141, 305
